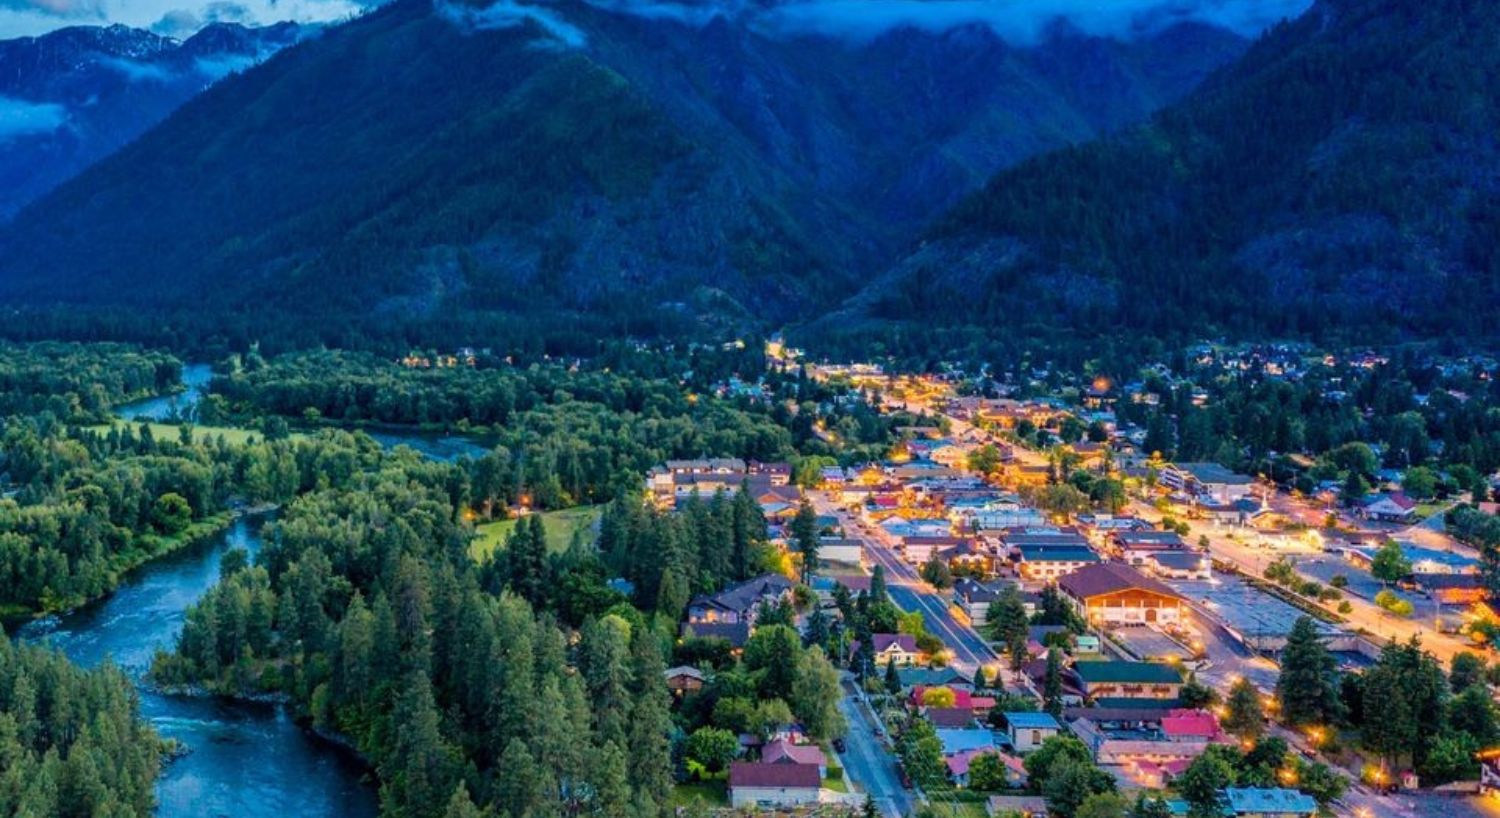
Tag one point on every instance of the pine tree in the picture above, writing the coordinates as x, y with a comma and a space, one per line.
1244, 717
804, 531
892, 677
461, 806
650, 727
1052, 686
1307, 688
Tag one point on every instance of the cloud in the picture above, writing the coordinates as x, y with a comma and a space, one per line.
1018, 21
184, 23
511, 14
21, 118
58, 8
137, 71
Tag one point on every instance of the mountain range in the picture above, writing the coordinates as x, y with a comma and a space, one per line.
1342, 178
431, 156
75, 95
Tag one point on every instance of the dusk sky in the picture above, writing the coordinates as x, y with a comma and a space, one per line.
20, 18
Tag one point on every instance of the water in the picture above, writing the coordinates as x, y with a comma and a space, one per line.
247, 760
195, 378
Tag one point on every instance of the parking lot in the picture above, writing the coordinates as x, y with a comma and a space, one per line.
1255, 617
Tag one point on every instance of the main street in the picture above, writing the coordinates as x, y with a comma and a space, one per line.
911, 593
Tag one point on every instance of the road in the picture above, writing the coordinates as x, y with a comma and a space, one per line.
867, 762
911, 593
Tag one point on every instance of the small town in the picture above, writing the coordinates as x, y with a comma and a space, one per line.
1021, 583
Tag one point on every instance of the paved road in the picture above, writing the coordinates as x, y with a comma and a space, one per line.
910, 593
867, 763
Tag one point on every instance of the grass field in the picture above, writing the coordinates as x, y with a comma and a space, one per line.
169, 431
712, 793
560, 526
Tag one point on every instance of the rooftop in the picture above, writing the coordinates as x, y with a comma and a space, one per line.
1109, 578
1023, 720
1127, 673
794, 776
1271, 801
1068, 553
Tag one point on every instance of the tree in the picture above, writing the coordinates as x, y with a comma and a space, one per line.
937, 573
1244, 717
171, 513
1465, 670
1197, 696
1009, 626
1071, 783
1202, 785
1390, 563
1103, 805
1472, 711
1354, 490
1307, 688
1054, 751
461, 806
712, 747
985, 459
804, 530
1419, 482
939, 697
1150, 806
981, 679
1052, 687
988, 773
922, 755
892, 677
816, 694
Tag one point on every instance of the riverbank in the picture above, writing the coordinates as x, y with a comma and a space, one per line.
121, 565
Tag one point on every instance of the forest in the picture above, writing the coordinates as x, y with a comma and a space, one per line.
72, 742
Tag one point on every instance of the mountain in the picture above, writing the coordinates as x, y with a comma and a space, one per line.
430, 157
1342, 177
72, 96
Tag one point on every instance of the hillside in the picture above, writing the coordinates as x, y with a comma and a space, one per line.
77, 94
423, 160
1340, 178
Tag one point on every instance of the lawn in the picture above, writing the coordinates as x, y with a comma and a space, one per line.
235, 435
560, 526
712, 793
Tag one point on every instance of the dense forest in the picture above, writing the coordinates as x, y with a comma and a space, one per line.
71, 741
79, 383
1328, 183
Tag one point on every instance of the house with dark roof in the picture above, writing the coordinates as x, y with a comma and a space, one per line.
773, 785
1047, 562
1180, 565
1127, 680
739, 603
1114, 594
784, 751
1207, 480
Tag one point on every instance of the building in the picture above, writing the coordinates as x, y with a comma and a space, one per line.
1144, 739
900, 648
773, 785
1127, 680
974, 598
1394, 507
919, 549
1027, 731
1268, 802
1114, 594
783, 751
741, 602
1136, 547
1207, 480
684, 679
924, 677
1181, 565
840, 549
1045, 562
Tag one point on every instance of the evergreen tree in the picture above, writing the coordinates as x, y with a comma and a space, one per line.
1307, 688
892, 677
804, 530
1052, 687
1244, 717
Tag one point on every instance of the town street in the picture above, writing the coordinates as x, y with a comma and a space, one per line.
867, 762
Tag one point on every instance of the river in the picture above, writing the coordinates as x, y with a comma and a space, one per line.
246, 760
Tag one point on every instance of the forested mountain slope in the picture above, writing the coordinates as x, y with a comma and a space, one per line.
1343, 176
72, 96
462, 157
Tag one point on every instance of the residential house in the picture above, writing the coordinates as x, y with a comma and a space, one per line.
1029, 806
959, 764
1393, 507
1040, 562
1127, 680
684, 679
1268, 802
1027, 731
950, 717
974, 598
968, 555
773, 785
1135, 547
1145, 739
919, 549
740, 602
924, 677
1114, 594
898, 648
783, 751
